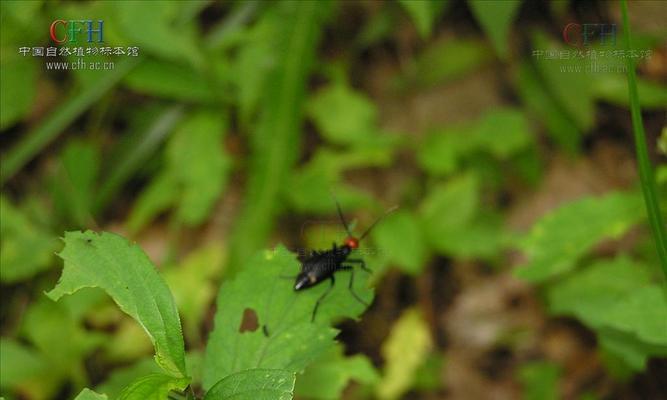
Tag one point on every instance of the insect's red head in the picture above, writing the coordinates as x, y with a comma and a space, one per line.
352, 242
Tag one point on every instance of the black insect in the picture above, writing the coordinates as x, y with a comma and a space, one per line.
319, 266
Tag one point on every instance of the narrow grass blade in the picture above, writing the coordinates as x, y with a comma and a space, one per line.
646, 177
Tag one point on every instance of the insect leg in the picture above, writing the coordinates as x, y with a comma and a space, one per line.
361, 263
349, 286
317, 303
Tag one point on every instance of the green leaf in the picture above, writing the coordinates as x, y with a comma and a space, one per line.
18, 85
539, 102
614, 89
561, 237
20, 364
156, 34
169, 80
124, 271
199, 164
46, 323
275, 140
442, 150
496, 18
119, 378
632, 352
561, 84
343, 115
284, 336
26, 248
309, 188
256, 59
194, 286
135, 149
327, 377
153, 387
87, 394
423, 13
643, 312
74, 185
435, 65
503, 132
409, 332
540, 380
589, 294
399, 239
452, 223
161, 194
195, 174
254, 384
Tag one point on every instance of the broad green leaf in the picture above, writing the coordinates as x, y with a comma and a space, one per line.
424, 13
540, 380
327, 377
435, 65
561, 84
589, 294
275, 140
503, 132
155, 35
73, 186
343, 115
409, 332
496, 18
122, 377
399, 239
539, 102
199, 164
26, 248
124, 271
161, 194
153, 387
614, 89
20, 364
565, 234
195, 174
453, 225
442, 150
643, 312
194, 286
632, 352
87, 394
169, 80
284, 336
46, 323
309, 188
254, 384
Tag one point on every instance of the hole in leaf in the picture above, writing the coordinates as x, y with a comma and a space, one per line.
249, 322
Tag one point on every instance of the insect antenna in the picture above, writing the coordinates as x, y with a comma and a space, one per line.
389, 211
340, 214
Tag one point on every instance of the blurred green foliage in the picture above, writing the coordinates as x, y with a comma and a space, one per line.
237, 123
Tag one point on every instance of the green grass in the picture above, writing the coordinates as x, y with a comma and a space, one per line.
646, 177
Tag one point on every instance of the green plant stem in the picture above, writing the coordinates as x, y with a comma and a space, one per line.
59, 119
645, 171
